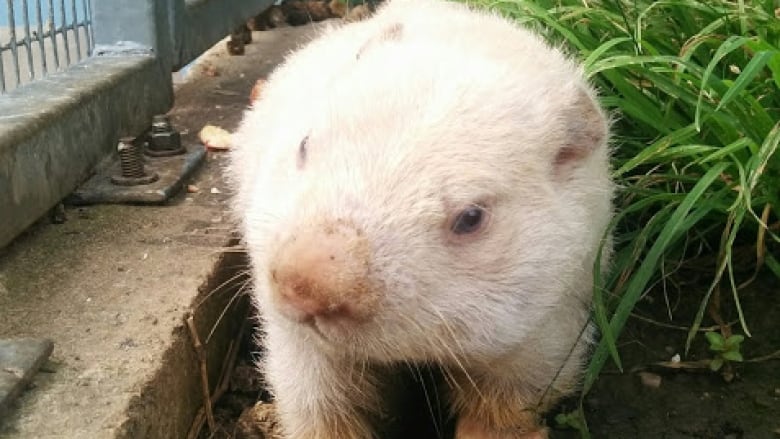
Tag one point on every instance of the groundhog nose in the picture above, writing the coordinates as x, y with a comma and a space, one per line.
323, 272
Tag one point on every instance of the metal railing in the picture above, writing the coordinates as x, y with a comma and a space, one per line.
76, 75
38, 37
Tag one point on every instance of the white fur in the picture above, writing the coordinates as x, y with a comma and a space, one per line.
462, 106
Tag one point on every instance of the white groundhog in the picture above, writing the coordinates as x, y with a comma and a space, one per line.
428, 186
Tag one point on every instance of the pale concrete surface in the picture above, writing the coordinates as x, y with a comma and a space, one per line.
112, 284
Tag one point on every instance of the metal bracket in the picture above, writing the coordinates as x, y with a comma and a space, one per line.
172, 171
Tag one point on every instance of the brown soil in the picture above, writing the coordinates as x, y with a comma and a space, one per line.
700, 403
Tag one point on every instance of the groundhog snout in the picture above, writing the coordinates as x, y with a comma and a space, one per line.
323, 272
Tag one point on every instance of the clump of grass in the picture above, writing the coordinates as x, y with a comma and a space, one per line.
694, 84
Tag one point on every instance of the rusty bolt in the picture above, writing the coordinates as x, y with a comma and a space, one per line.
131, 163
242, 33
235, 46
164, 140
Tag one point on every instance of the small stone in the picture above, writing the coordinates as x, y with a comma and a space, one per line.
650, 379
215, 191
191, 188
127, 344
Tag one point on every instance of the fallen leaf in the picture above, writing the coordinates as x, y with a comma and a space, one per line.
215, 138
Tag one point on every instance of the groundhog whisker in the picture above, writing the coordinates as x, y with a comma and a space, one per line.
434, 310
242, 273
452, 355
428, 401
233, 298
450, 378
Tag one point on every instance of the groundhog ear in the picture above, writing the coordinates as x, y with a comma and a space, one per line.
586, 131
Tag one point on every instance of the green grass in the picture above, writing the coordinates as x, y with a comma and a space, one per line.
694, 86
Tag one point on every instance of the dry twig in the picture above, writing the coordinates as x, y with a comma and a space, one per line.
204, 377
228, 363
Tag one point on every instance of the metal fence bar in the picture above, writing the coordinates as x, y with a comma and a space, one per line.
53, 35
76, 29
191, 26
40, 38
2, 75
64, 32
88, 26
14, 52
28, 40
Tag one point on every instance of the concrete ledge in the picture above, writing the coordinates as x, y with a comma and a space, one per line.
54, 131
111, 288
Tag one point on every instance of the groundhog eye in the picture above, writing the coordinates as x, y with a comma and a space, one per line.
469, 220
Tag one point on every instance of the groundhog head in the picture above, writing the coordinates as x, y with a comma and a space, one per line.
403, 202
